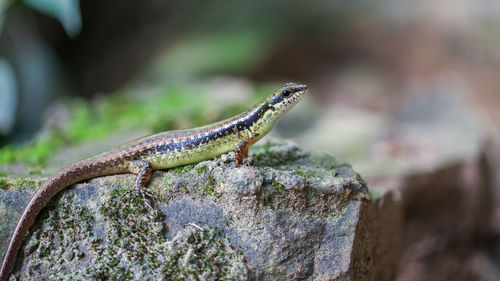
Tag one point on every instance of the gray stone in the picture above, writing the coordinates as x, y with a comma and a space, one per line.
288, 216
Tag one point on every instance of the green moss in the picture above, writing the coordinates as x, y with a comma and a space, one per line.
194, 251
135, 234
331, 216
278, 187
202, 170
35, 153
67, 224
178, 170
210, 185
304, 174
188, 168
267, 156
169, 108
6, 183
124, 111
336, 215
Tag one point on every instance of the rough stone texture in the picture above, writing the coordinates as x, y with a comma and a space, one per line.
288, 216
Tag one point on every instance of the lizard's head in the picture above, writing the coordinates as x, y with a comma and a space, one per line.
285, 98
279, 103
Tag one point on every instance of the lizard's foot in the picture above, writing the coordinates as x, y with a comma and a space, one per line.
145, 194
247, 161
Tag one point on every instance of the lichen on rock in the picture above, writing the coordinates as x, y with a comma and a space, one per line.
289, 215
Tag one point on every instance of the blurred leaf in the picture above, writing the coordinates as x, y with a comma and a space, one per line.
66, 11
4, 4
8, 97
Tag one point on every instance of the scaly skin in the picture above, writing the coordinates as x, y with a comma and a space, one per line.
161, 151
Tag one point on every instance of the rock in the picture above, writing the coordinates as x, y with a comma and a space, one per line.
288, 216
447, 215
436, 159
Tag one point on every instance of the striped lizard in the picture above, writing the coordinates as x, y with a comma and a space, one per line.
161, 151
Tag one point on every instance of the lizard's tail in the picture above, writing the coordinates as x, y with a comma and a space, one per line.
64, 178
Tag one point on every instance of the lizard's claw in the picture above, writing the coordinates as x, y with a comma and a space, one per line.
247, 161
144, 193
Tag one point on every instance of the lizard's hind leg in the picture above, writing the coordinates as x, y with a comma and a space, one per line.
143, 171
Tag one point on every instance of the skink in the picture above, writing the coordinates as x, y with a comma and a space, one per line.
161, 151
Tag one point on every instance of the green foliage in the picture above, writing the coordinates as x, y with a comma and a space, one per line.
66, 11
170, 108
35, 153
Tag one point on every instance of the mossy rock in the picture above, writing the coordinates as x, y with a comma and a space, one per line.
289, 215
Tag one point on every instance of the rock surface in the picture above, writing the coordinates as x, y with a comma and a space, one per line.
289, 215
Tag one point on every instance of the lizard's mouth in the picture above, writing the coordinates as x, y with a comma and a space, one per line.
302, 88
301, 91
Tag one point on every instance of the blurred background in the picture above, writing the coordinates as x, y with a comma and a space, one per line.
406, 91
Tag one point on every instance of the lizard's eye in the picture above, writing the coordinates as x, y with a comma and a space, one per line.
286, 93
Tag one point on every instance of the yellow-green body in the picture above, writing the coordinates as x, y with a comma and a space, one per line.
161, 151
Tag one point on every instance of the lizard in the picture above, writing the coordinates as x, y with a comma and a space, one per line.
161, 151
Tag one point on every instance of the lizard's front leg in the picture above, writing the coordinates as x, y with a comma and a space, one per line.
142, 169
241, 152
